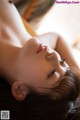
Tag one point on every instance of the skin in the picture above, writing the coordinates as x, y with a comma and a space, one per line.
40, 65
19, 61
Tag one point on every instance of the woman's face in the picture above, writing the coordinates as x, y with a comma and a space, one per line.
41, 67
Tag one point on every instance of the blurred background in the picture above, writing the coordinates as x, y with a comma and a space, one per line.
54, 16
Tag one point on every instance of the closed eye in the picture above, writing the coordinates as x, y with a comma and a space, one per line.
51, 73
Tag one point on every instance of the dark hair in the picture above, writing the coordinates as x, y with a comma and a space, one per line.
69, 86
43, 107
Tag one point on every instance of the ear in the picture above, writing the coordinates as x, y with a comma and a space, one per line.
19, 91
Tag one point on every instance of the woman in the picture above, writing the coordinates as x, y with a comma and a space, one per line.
26, 61
34, 71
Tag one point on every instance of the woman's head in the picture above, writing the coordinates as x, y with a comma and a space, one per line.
39, 67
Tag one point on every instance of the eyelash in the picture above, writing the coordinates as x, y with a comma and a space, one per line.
53, 71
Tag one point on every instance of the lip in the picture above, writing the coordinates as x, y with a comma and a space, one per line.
40, 48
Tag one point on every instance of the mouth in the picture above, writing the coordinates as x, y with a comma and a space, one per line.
40, 48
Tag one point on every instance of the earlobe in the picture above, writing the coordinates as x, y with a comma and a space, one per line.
19, 91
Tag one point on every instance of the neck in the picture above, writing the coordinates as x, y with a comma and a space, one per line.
8, 60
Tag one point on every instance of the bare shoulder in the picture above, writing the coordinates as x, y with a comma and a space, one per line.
11, 22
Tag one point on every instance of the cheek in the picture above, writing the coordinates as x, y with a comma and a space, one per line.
35, 77
36, 73
36, 70
33, 71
